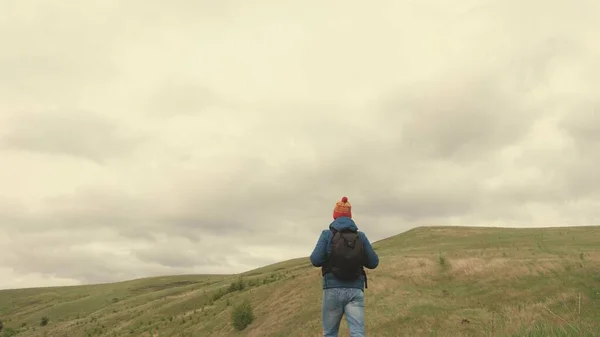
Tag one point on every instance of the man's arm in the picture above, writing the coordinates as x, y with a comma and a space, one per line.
319, 254
372, 260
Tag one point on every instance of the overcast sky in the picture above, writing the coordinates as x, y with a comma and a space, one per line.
142, 138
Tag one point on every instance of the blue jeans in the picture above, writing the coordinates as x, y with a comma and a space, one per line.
338, 302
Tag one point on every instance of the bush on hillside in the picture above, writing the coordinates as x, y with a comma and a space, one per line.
44, 321
242, 315
441, 259
443, 262
1, 325
9, 332
236, 285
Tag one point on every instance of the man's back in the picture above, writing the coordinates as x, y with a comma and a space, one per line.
343, 296
322, 251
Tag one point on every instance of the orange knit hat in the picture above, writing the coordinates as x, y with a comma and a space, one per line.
342, 208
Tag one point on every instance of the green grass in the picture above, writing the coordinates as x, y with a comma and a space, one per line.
432, 281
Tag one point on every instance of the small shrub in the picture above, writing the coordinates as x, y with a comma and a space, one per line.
216, 296
441, 260
272, 278
1, 325
237, 285
242, 315
9, 332
44, 321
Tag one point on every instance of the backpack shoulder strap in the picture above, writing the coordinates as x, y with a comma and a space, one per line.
333, 233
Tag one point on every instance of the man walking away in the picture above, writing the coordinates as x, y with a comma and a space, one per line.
342, 252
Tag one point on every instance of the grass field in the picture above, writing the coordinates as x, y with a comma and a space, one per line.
432, 281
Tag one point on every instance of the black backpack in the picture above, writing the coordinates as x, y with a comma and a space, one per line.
347, 255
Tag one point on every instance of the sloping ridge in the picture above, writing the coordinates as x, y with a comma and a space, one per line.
441, 281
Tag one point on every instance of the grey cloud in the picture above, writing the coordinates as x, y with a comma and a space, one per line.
488, 134
56, 46
178, 96
78, 133
11, 208
82, 255
583, 124
469, 115
178, 12
582, 178
202, 255
171, 258
224, 225
60, 260
417, 204
185, 256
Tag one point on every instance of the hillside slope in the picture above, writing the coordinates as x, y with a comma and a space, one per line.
432, 281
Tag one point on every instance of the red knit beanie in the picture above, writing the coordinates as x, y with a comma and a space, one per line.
342, 208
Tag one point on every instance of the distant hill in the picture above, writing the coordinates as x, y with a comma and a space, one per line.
432, 281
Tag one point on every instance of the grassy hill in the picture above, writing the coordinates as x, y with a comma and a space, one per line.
432, 281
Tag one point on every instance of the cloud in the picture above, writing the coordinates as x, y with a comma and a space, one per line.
56, 53
176, 96
76, 133
217, 138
